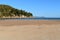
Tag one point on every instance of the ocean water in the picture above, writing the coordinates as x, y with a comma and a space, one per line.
37, 18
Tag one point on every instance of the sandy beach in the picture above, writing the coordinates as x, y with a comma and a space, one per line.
29, 30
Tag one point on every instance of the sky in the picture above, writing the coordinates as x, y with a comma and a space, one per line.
39, 8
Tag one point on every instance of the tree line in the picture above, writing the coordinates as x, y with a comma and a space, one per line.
6, 10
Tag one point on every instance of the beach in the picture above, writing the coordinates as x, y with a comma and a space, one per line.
29, 30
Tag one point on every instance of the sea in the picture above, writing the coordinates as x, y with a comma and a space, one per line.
36, 18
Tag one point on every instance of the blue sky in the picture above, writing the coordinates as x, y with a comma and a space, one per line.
46, 8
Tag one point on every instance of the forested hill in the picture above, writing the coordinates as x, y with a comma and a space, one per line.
8, 11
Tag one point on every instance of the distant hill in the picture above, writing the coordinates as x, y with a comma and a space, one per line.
8, 11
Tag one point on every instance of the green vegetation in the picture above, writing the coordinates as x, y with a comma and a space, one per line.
8, 11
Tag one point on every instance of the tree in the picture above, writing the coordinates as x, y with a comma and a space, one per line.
6, 10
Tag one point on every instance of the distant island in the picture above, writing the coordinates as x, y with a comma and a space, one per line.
7, 11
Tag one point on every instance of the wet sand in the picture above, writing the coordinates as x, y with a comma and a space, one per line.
29, 30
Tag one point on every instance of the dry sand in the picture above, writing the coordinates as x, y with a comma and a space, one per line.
29, 30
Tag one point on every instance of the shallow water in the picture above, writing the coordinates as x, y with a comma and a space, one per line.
30, 18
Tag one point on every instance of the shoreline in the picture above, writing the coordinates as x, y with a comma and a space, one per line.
27, 22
